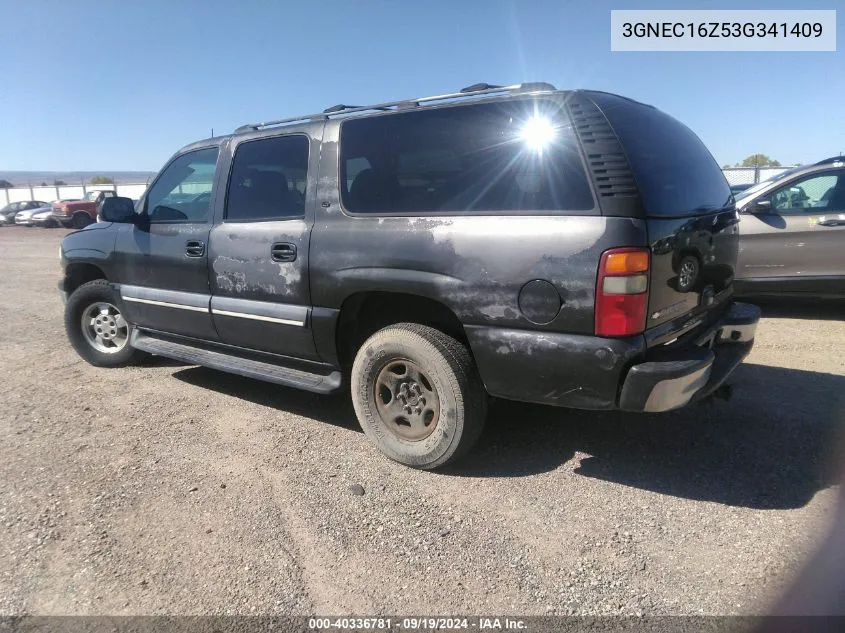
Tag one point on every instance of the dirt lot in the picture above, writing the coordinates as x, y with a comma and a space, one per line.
175, 489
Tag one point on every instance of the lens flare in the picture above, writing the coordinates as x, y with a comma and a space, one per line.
538, 132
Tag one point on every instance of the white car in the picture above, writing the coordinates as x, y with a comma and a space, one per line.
46, 219
24, 218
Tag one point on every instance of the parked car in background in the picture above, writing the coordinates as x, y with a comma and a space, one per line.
9, 212
792, 233
493, 241
45, 219
24, 218
53, 217
81, 213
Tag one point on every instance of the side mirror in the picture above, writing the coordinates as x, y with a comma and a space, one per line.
116, 209
761, 206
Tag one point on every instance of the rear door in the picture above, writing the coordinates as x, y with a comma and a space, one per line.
690, 215
162, 260
799, 242
259, 251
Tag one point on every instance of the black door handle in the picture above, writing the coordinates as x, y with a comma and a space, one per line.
283, 252
194, 248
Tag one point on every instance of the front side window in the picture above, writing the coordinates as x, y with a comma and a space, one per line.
508, 156
182, 193
268, 180
813, 194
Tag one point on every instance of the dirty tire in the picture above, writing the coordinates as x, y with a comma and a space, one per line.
79, 301
447, 367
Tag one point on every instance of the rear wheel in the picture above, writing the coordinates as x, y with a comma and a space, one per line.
417, 395
96, 327
81, 220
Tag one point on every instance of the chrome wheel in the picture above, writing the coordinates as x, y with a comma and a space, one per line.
406, 400
104, 328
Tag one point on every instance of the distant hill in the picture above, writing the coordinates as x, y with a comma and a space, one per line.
35, 178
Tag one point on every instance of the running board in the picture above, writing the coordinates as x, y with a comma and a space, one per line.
250, 368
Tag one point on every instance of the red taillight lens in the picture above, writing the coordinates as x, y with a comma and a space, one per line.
622, 292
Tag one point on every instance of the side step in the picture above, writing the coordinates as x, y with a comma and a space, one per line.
250, 368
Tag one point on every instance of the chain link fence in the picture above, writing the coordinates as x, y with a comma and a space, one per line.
750, 175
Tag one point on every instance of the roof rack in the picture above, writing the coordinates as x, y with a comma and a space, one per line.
832, 159
476, 90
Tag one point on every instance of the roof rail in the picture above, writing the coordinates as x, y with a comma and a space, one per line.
832, 159
473, 91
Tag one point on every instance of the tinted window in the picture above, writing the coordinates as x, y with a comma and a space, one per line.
812, 194
268, 179
675, 172
182, 193
515, 156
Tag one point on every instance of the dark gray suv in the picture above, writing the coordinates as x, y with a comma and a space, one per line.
572, 248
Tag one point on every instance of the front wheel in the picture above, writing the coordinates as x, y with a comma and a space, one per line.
96, 327
81, 220
418, 395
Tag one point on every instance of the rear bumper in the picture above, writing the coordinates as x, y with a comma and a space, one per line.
689, 374
590, 372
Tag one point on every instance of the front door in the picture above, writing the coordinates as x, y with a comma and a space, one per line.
799, 240
162, 259
259, 252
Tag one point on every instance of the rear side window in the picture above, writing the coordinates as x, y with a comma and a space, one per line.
515, 156
675, 172
268, 179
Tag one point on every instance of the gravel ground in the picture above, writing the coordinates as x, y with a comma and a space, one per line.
169, 489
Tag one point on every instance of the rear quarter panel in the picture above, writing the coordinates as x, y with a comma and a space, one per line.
476, 265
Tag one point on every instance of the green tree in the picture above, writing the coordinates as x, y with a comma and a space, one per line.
101, 180
43, 184
59, 183
5, 184
759, 160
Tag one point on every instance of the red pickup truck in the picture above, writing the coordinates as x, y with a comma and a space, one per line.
83, 212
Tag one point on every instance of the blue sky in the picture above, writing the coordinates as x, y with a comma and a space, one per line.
122, 85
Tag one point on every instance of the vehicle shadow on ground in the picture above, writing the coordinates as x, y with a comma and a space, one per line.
771, 447
335, 409
819, 310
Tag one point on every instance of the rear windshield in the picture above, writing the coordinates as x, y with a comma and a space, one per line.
675, 173
515, 156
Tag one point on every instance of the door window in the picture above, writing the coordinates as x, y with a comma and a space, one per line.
813, 194
268, 180
182, 193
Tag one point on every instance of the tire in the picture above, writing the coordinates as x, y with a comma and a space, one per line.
88, 302
447, 399
81, 220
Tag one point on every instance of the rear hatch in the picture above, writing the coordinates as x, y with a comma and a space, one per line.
690, 217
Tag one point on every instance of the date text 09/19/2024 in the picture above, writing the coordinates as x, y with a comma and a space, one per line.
419, 624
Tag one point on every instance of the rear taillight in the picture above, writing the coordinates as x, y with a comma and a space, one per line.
622, 292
